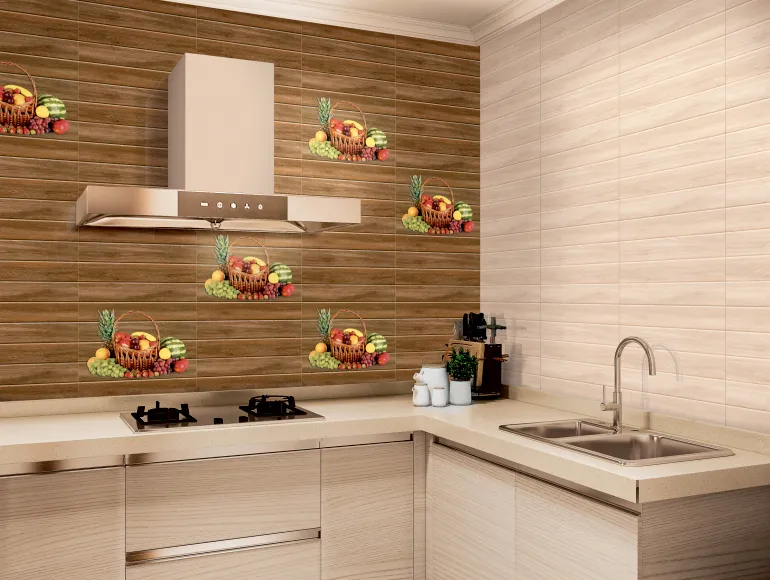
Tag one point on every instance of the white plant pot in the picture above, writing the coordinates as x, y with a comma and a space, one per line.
460, 392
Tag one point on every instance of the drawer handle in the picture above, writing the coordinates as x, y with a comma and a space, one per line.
193, 550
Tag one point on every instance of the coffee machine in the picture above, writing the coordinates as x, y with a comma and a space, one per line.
472, 336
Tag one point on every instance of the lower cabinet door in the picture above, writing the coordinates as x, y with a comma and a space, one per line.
470, 518
63, 526
290, 561
561, 535
367, 517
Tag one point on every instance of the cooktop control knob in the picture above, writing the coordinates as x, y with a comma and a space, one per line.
219, 421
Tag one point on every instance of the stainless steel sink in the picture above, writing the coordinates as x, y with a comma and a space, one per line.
634, 448
559, 429
646, 448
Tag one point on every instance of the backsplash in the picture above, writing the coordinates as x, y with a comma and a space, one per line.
625, 180
109, 62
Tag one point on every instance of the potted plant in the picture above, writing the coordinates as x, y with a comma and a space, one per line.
461, 366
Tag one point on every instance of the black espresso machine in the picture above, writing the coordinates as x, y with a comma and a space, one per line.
472, 336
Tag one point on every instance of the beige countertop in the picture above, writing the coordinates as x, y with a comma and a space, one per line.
94, 435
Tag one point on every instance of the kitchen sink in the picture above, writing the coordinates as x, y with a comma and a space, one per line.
631, 448
646, 448
559, 429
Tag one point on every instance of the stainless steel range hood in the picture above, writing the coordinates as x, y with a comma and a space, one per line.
134, 207
220, 162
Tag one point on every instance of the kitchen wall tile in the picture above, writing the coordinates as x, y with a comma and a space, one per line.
652, 188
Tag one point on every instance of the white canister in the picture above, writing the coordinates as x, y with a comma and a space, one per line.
420, 395
438, 396
433, 376
460, 392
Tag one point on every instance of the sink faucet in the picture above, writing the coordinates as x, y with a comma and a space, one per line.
616, 406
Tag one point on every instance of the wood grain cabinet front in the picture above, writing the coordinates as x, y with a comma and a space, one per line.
290, 561
470, 518
367, 528
63, 526
561, 535
191, 502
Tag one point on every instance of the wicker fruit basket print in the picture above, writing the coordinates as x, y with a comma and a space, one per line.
23, 111
347, 139
436, 214
350, 348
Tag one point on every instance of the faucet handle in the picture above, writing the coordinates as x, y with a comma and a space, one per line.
605, 406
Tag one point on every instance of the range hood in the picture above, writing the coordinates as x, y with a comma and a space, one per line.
220, 162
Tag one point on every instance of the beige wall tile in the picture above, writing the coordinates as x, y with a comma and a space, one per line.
594, 193
508, 38
651, 20
695, 270
674, 293
747, 319
580, 333
688, 107
606, 253
689, 176
750, 115
652, 212
748, 90
690, 83
747, 14
684, 224
674, 248
659, 45
518, 54
581, 235
579, 20
673, 66
748, 294
580, 293
748, 419
673, 202
604, 48
665, 158
749, 396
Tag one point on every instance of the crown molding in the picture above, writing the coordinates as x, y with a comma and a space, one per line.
510, 15
322, 13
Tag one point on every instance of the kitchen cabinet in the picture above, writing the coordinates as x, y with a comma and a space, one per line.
190, 502
470, 518
290, 561
560, 534
488, 522
63, 526
367, 498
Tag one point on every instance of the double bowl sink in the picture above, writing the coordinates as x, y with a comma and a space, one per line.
632, 447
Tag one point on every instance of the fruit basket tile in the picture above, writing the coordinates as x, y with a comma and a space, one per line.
436, 214
347, 140
347, 348
25, 112
246, 277
134, 354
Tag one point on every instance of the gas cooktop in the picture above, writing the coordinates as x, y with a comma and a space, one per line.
261, 409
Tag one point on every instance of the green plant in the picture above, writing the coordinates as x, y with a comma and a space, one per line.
222, 250
461, 365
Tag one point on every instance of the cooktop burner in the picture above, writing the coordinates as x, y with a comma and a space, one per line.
163, 415
260, 409
272, 406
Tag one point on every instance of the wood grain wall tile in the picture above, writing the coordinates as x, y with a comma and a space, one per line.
111, 63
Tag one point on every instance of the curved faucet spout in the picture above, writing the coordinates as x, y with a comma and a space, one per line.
616, 406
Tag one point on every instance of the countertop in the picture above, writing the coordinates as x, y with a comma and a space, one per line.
93, 435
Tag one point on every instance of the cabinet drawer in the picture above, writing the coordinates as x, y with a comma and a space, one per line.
191, 502
63, 526
292, 561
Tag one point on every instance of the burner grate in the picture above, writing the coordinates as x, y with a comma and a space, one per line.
163, 415
272, 406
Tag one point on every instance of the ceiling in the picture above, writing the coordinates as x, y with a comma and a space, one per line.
462, 21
